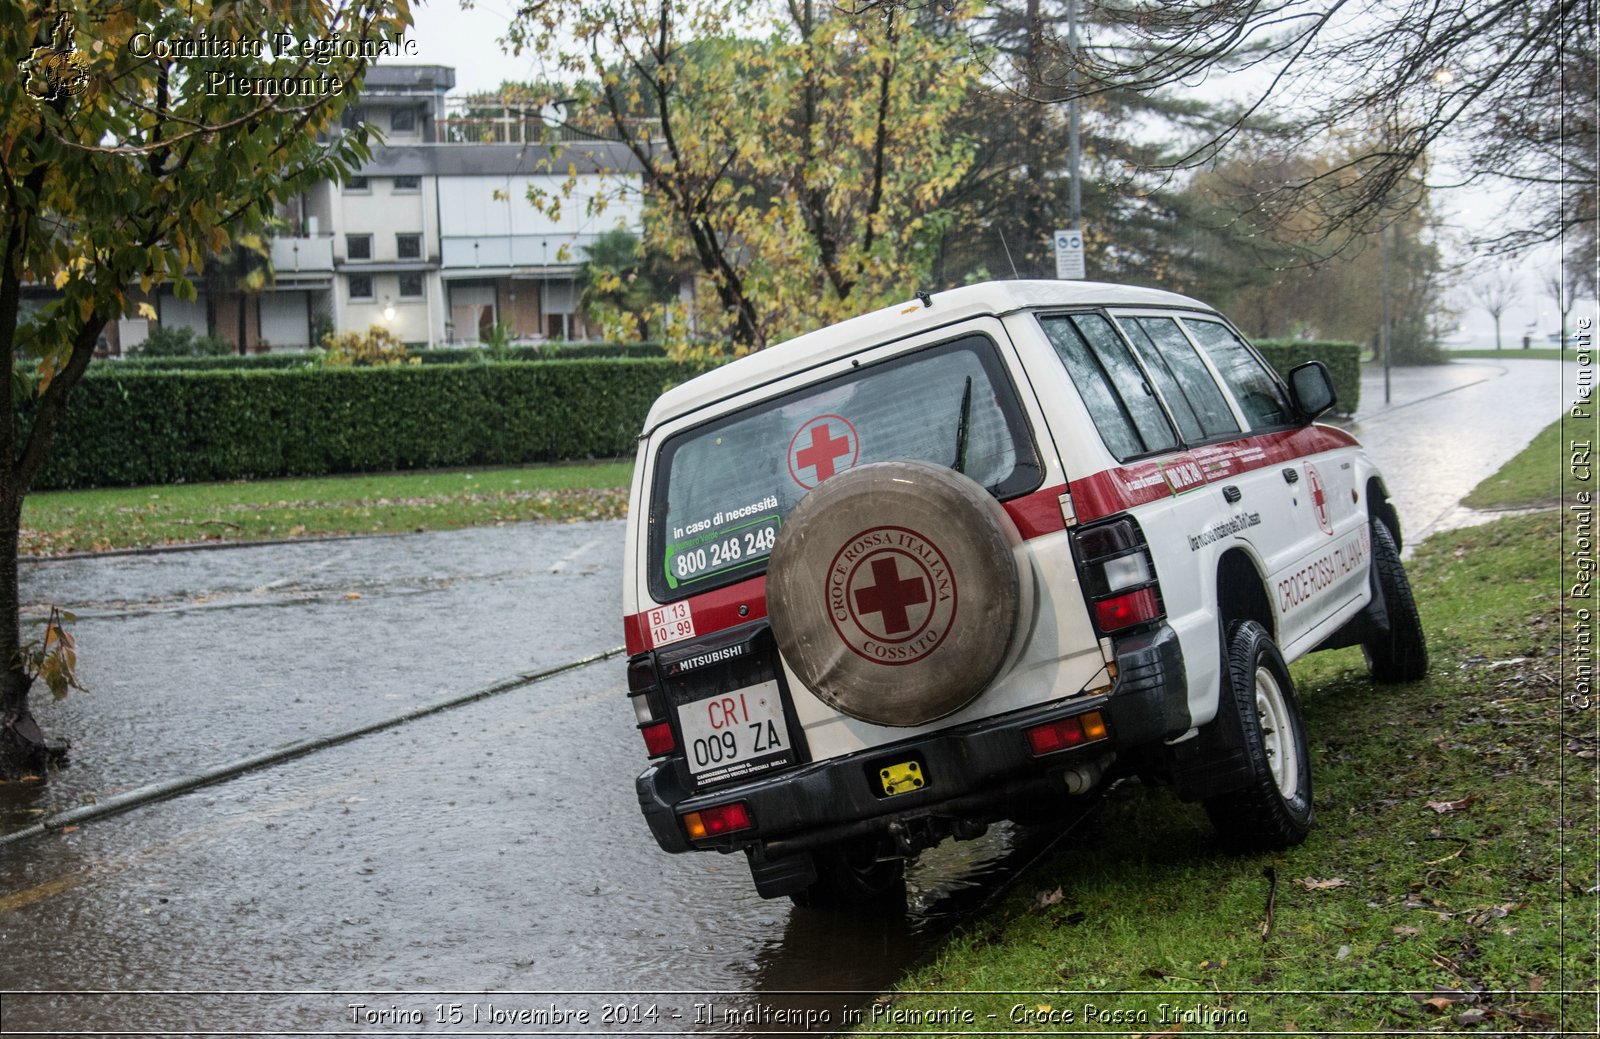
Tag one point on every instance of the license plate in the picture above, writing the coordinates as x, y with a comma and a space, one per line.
735, 733
902, 778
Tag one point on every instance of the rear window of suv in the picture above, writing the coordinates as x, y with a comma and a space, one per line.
722, 489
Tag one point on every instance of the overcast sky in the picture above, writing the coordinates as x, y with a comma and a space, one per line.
465, 40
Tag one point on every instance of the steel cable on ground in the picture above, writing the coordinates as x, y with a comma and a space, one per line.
159, 791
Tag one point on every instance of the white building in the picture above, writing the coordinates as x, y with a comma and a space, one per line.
435, 238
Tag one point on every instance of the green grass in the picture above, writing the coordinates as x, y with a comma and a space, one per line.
98, 520
1515, 353
1532, 478
1447, 885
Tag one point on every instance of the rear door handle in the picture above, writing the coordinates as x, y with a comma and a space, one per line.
1291, 476
1232, 493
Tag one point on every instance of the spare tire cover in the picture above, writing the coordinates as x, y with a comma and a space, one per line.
894, 593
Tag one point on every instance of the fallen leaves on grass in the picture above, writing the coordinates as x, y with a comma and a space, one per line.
1446, 807
1313, 884
1045, 899
1484, 917
1441, 1000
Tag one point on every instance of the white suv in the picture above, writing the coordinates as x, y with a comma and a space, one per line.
962, 559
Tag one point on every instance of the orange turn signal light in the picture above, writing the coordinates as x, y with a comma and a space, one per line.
1066, 733
712, 822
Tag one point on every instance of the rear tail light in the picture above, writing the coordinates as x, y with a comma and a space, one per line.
1128, 610
1066, 733
658, 739
713, 822
1118, 575
649, 713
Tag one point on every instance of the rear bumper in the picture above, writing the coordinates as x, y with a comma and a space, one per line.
979, 772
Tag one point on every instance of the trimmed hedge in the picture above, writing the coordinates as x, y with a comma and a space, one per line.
1343, 361
542, 352
147, 427
437, 355
224, 362
143, 423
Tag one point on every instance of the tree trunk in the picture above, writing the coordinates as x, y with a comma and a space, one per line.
23, 750
23, 747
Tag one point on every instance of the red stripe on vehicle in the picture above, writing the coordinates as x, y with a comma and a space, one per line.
711, 612
1039, 513
633, 636
1117, 490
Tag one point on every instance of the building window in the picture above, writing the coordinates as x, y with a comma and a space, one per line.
412, 183
360, 286
408, 246
411, 285
357, 186
403, 120
358, 246
352, 117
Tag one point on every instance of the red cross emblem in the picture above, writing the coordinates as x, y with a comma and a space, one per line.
891, 595
826, 445
1319, 498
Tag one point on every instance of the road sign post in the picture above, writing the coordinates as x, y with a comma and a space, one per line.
1069, 255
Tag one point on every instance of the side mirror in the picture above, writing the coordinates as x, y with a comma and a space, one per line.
1311, 388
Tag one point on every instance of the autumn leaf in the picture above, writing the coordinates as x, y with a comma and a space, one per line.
1312, 884
1045, 899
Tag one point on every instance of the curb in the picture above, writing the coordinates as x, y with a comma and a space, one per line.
213, 546
160, 791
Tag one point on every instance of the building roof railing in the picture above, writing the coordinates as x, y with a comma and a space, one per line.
497, 119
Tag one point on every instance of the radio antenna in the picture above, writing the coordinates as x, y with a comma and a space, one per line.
1009, 260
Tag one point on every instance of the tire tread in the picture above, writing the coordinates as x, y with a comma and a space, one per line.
1256, 817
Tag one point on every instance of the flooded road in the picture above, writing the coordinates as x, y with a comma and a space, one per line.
1447, 428
496, 847
483, 869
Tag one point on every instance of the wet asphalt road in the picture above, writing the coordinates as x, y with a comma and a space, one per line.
490, 856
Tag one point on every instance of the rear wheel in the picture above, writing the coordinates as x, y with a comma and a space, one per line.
856, 874
1396, 652
1273, 809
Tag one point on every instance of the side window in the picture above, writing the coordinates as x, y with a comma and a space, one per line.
1190, 390
1259, 395
1113, 388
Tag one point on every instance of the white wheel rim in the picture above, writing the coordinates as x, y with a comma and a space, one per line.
1277, 734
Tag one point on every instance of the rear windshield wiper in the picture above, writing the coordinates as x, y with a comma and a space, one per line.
960, 465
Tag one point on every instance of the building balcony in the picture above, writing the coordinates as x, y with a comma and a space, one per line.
462, 255
302, 258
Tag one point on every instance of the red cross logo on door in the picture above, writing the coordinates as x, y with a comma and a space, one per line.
1319, 498
824, 446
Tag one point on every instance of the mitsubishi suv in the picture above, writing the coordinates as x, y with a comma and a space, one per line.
963, 559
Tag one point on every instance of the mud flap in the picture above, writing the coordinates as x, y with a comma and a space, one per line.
775, 878
1212, 763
